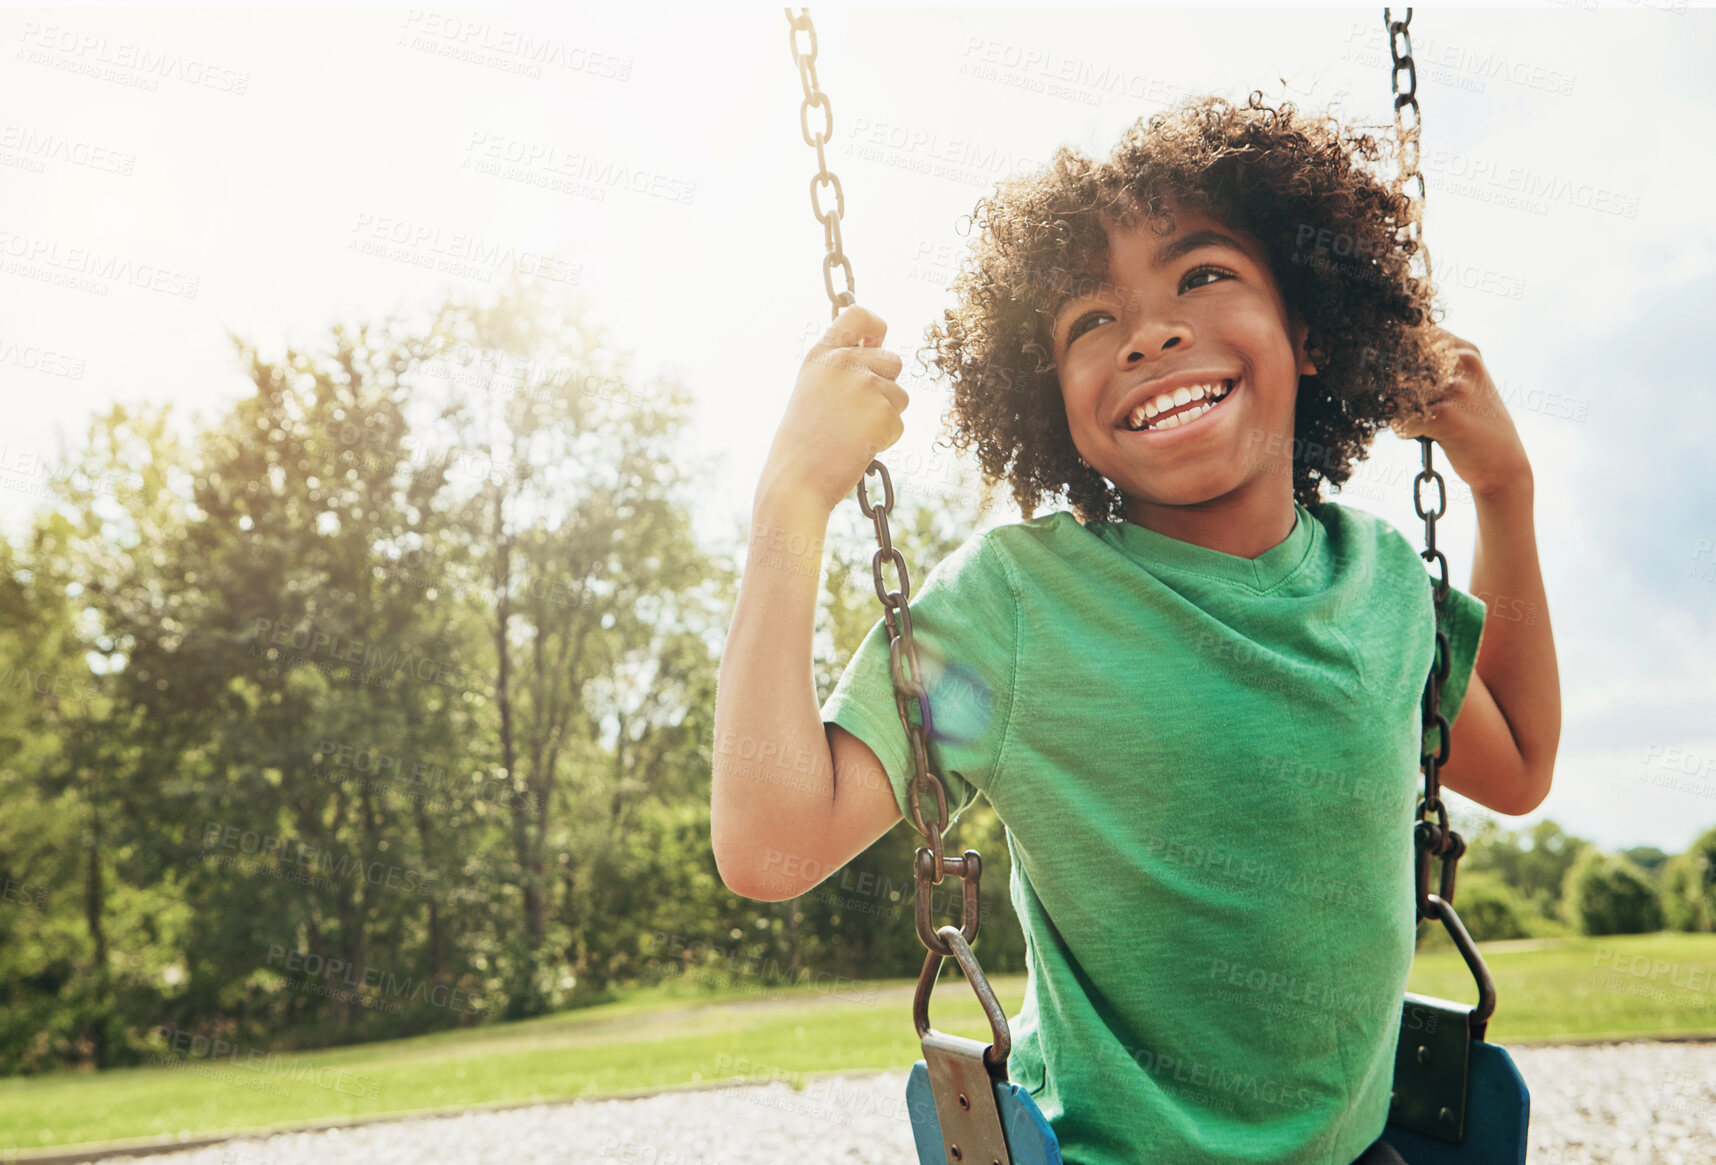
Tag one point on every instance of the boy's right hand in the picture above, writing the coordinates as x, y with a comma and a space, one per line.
844, 410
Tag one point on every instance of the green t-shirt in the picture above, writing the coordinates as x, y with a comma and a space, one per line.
1207, 767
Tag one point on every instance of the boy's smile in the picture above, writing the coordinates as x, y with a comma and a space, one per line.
1188, 336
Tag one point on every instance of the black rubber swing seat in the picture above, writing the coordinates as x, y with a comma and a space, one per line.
1458, 1099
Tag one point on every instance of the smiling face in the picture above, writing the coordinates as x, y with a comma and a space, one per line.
1189, 316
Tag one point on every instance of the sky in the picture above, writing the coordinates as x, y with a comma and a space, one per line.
168, 177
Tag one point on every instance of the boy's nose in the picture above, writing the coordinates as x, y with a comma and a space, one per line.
1142, 345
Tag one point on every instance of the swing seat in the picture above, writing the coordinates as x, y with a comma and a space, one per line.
1458, 1099
1498, 1109
1030, 1140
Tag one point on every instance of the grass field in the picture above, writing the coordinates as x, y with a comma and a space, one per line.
1554, 990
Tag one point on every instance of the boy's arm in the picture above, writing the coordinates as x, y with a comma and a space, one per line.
776, 824
1509, 726
791, 801
772, 769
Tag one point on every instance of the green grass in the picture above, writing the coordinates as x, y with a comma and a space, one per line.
1549, 990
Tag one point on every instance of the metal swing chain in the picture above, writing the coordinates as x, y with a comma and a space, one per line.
931, 862
1429, 836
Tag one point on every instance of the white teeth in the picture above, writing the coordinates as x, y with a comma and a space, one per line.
1211, 394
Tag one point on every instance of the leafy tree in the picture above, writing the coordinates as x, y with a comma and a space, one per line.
1534, 862
1607, 894
1647, 858
48, 954
1491, 910
1689, 886
601, 625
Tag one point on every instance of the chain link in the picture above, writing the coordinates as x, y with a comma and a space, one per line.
896, 613
815, 98
1429, 836
1406, 131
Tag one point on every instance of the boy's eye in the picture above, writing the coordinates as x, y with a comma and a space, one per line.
1205, 270
1078, 329
1186, 284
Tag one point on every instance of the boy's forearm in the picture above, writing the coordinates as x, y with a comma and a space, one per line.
1516, 656
772, 767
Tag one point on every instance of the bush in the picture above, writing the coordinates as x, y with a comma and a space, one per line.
1689, 886
1686, 893
1490, 910
1605, 894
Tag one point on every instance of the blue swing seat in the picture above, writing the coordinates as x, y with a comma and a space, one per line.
1030, 1140
1498, 1113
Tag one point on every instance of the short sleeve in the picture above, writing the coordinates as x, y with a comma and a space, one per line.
1461, 619
964, 625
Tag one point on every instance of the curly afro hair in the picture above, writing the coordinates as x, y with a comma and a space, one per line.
1340, 243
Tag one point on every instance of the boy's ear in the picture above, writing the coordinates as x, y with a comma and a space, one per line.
1300, 330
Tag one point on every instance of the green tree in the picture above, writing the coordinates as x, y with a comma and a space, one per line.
1686, 902
1608, 894
601, 625
1647, 858
52, 961
1533, 862
1689, 886
107, 521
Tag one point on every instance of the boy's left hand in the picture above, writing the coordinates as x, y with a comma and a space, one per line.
1472, 425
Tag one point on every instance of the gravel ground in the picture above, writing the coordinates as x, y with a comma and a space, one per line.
1635, 1103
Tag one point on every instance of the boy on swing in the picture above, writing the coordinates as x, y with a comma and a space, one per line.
1193, 700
